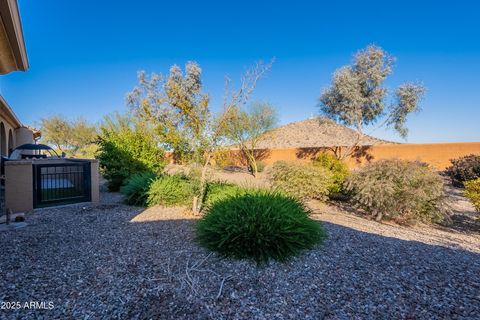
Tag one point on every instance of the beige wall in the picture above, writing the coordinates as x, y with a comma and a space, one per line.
7, 134
23, 135
12, 133
11, 137
18, 186
438, 155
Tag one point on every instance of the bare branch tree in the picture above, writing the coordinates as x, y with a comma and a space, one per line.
232, 101
176, 106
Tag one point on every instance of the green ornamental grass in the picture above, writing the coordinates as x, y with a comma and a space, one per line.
259, 225
170, 191
136, 188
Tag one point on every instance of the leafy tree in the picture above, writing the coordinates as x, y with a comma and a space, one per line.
76, 138
177, 108
246, 128
126, 147
357, 96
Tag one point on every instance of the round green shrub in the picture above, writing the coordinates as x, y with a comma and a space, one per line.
464, 169
338, 168
136, 188
258, 225
303, 181
472, 192
170, 191
401, 190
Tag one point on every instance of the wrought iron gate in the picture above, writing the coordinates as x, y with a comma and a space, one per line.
61, 183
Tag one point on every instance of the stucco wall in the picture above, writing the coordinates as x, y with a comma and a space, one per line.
19, 186
438, 155
23, 136
11, 137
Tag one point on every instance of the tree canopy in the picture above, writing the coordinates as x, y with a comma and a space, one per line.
247, 126
176, 106
358, 97
76, 138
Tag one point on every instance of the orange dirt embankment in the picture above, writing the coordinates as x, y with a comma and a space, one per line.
436, 154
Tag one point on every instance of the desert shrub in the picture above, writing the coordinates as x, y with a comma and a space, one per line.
223, 158
219, 190
303, 181
136, 188
259, 225
472, 192
464, 169
127, 147
171, 191
404, 191
260, 166
338, 168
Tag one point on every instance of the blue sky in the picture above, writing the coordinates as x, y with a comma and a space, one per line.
84, 55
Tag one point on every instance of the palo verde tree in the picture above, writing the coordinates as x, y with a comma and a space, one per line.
177, 107
358, 98
246, 128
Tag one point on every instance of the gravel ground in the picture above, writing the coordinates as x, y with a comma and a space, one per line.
115, 261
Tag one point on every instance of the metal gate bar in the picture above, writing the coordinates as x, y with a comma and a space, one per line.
61, 183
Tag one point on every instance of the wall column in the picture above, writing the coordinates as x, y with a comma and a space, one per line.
19, 185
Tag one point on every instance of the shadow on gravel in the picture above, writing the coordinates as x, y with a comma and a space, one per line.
97, 263
464, 223
355, 237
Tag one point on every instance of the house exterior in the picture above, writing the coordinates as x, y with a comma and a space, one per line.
33, 182
13, 57
12, 132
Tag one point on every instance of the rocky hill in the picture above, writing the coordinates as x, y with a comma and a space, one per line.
313, 133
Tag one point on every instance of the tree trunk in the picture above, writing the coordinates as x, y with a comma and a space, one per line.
254, 168
251, 162
198, 200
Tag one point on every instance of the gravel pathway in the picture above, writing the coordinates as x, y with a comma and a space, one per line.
115, 261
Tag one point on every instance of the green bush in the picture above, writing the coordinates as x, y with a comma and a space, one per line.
171, 191
260, 166
136, 188
127, 147
464, 169
259, 225
219, 190
404, 191
472, 192
303, 181
338, 168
